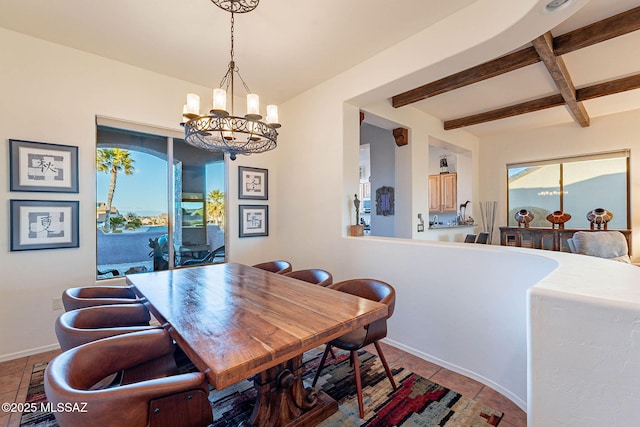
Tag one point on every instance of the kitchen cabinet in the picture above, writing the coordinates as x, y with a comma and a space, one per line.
443, 192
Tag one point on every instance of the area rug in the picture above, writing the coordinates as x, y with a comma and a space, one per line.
417, 402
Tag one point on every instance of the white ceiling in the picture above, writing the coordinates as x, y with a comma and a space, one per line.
285, 47
282, 48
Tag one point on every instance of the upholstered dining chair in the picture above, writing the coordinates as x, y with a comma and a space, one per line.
78, 327
83, 325
313, 275
279, 267
353, 341
603, 244
171, 400
88, 296
470, 238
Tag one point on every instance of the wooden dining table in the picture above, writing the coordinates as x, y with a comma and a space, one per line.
237, 322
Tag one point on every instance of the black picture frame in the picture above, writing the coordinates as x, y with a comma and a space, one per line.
253, 183
254, 220
44, 224
42, 167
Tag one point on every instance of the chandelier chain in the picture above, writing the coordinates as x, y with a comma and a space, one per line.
233, 24
227, 79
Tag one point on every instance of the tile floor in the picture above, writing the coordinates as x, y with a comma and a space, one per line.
15, 375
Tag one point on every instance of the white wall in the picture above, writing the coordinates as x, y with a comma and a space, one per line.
52, 94
584, 355
383, 174
618, 131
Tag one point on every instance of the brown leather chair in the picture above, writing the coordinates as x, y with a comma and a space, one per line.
279, 267
77, 327
172, 400
89, 296
374, 290
314, 275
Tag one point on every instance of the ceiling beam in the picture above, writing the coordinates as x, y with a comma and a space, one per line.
583, 94
503, 113
560, 75
614, 26
609, 88
494, 68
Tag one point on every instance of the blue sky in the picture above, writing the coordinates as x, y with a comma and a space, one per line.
145, 192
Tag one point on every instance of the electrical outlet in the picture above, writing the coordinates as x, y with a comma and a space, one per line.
57, 304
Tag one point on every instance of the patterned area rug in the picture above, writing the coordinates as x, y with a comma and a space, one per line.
417, 402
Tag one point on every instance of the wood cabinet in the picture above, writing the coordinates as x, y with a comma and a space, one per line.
443, 192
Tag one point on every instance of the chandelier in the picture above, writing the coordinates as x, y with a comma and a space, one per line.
221, 130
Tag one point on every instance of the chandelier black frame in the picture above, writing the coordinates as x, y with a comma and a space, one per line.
223, 131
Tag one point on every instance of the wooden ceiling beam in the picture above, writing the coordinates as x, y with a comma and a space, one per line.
504, 64
609, 88
560, 75
614, 26
583, 94
503, 113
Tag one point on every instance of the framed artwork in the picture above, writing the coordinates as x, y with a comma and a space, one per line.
44, 224
254, 220
385, 201
253, 183
36, 166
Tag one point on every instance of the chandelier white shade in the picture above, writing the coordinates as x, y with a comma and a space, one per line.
221, 130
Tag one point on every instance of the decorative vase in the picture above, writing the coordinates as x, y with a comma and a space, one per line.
558, 218
523, 217
599, 218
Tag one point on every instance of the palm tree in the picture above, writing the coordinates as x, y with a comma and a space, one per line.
116, 222
113, 161
215, 207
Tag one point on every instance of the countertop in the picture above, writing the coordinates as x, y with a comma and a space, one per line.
440, 227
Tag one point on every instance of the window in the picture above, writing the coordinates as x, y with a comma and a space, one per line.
147, 221
575, 185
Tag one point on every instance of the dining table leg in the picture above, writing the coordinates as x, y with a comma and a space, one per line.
282, 400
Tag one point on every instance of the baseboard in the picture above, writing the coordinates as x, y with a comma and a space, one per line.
30, 352
462, 371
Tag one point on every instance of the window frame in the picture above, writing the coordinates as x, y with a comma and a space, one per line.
615, 154
170, 135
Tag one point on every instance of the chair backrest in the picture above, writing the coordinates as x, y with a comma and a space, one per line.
77, 327
71, 376
279, 267
470, 238
314, 275
602, 244
89, 296
483, 238
372, 289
